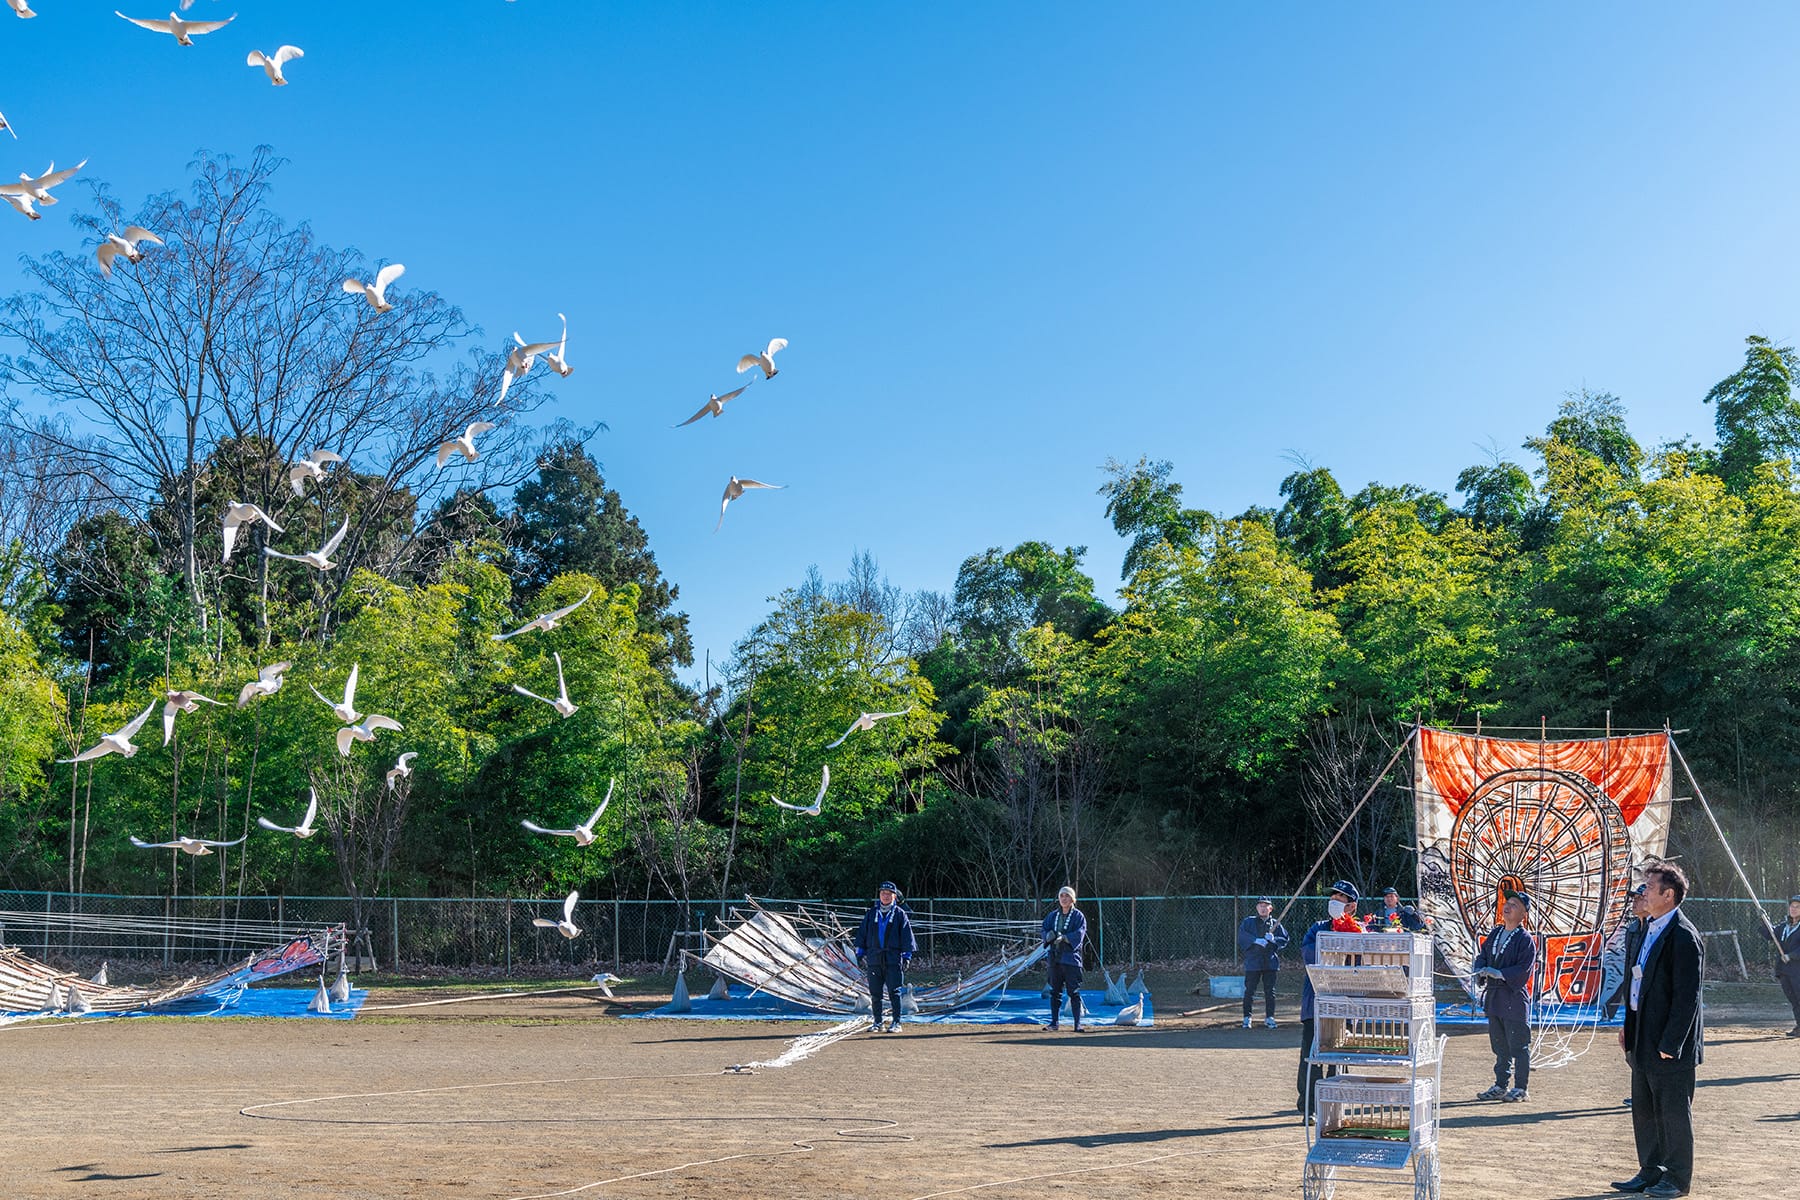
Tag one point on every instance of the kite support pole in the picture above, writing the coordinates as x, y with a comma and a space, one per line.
1729, 853
1338, 836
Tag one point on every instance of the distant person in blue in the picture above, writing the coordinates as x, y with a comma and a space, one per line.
1261, 940
1342, 910
884, 945
1787, 969
1065, 929
1504, 965
1394, 915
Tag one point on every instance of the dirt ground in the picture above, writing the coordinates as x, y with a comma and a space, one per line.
552, 1096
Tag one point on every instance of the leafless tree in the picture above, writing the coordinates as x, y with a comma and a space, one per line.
364, 818
1343, 753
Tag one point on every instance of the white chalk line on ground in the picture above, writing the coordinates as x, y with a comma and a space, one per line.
1136, 1162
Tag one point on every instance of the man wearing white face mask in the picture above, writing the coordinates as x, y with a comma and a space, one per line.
1343, 917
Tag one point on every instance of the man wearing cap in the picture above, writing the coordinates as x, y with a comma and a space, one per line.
1504, 965
1664, 1038
1260, 939
1065, 928
1342, 918
884, 945
1787, 960
1634, 938
1394, 917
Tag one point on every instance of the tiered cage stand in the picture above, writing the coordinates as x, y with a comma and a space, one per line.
1375, 1022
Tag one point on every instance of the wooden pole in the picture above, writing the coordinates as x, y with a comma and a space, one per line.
1749, 891
1331, 845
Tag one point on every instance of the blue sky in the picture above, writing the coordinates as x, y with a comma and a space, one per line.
1005, 240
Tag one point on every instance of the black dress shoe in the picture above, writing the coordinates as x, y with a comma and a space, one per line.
1666, 1189
1636, 1183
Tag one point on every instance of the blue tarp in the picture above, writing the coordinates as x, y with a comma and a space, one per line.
1010, 1006
253, 1002
1560, 1014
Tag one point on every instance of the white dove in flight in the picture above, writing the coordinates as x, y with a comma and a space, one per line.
177, 700
312, 467
184, 31
364, 732
187, 845
519, 361
715, 404
21, 8
238, 514
813, 809
124, 243
376, 293
545, 621
566, 926
116, 742
465, 445
765, 360
737, 487
320, 559
344, 710
7, 125
305, 828
29, 190
266, 683
272, 63
582, 833
865, 723
402, 768
604, 981
558, 359
562, 703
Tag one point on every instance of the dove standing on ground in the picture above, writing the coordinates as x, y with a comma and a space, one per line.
272, 63
558, 359
465, 445
376, 293
765, 360
267, 683
320, 559
545, 621
124, 243
582, 833
737, 487
184, 31
312, 467
239, 514
604, 981
187, 845
29, 190
402, 768
813, 809
566, 926
21, 8
116, 742
865, 723
305, 828
715, 404
177, 700
344, 710
364, 732
562, 703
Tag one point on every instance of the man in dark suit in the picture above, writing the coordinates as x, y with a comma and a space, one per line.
1504, 965
1787, 960
1663, 1037
884, 945
1260, 939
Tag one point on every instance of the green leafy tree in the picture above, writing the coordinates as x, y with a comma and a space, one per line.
1756, 413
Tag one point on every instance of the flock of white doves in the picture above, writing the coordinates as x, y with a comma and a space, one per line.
31, 193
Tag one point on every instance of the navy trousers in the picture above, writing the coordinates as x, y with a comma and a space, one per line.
1064, 977
886, 977
1511, 1043
1267, 981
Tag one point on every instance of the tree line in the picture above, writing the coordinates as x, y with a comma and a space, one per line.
1208, 731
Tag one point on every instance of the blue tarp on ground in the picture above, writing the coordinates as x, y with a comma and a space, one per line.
1010, 1006
1561, 1014
253, 1002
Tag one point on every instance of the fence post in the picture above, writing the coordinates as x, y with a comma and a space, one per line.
1100, 928
931, 932
1134, 929
618, 934
281, 913
394, 955
46, 953
508, 921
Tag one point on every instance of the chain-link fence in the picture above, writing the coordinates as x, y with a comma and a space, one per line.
498, 934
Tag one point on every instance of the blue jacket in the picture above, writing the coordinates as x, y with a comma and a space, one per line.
890, 947
1266, 957
1075, 931
1410, 920
1309, 953
1505, 997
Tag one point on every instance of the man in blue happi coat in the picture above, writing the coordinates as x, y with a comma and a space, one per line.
1504, 968
1065, 929
1393, 915
884, 945
1342, 910
1260, 940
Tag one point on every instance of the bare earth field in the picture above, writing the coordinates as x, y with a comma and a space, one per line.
550, 1095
